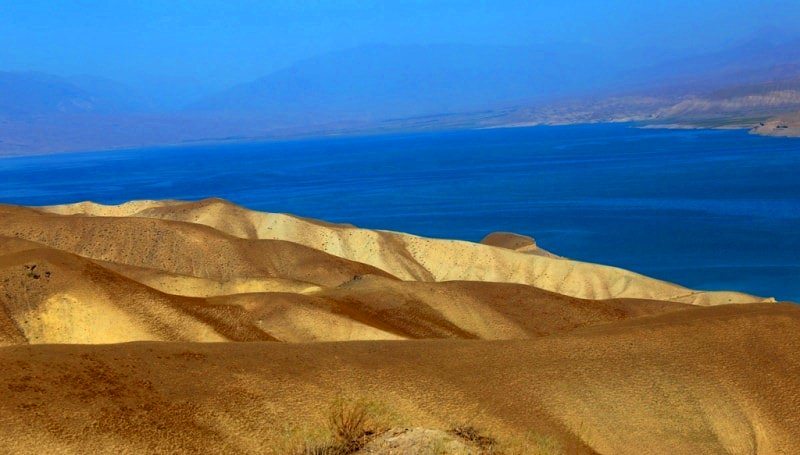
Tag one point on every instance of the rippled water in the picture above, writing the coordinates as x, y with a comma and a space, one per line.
707, 209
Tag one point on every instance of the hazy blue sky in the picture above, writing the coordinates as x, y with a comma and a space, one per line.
209, 44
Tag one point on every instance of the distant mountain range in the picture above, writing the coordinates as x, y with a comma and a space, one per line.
36, 93
399, 87
33, 93
385, 82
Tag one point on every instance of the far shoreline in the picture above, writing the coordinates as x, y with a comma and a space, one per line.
721, 125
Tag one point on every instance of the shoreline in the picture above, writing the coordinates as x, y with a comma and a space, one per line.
769, 128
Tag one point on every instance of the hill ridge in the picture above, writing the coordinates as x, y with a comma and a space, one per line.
411, 257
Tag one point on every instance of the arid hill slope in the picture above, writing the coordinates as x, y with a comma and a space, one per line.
123, 330
414, 258
724, 379
52, 296
213, 271
177, 247
784, 125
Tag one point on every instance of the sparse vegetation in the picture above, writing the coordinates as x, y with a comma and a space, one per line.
351, 427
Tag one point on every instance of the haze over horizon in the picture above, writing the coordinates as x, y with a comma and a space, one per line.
177, 52
88, 75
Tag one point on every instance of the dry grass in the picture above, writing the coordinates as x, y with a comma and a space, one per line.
351, 427
349, 423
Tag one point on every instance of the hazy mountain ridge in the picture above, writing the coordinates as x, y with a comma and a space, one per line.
757, 79
740, 86
25, 94
380, 88
37, 93
383, 82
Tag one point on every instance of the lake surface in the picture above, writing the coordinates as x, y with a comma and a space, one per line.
707, 209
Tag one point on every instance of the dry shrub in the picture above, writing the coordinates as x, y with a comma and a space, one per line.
351, 428
349, 422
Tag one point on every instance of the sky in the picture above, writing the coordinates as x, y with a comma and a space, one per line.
206, 45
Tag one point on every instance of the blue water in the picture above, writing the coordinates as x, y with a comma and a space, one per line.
707, 209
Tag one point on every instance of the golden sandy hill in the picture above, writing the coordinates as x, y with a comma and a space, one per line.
414, 258
122, 331
213, 271
724, 379
182, 248
240, 275
51, 296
